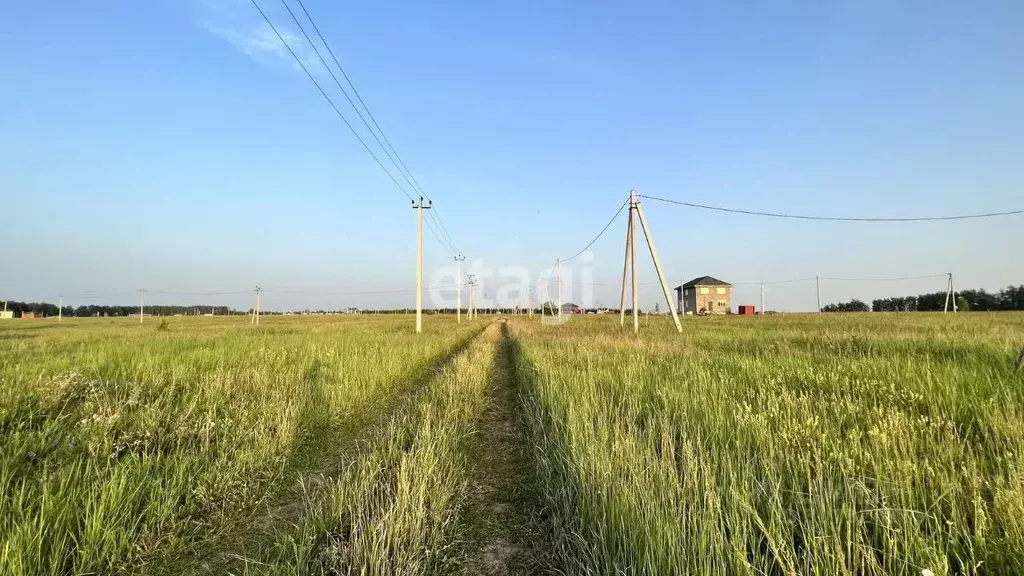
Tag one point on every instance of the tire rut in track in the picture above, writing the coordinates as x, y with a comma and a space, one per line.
228, 554
503, 530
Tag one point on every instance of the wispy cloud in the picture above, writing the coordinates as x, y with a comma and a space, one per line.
241, 25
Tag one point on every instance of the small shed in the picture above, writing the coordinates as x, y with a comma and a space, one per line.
28, 315
747, 310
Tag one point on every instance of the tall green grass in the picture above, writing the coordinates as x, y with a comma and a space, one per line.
121, 444
843, 445
395, 510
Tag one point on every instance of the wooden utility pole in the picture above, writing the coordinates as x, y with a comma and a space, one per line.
817, 290
458, 288
632, 261
142, 303
626, 266
419, 261
657, 266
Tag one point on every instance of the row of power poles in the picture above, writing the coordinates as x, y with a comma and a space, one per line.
630, 277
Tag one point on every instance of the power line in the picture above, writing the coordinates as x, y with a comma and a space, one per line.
388, 149
922, 277
812, 278
362, 292
337, 111
832, 218
599, 234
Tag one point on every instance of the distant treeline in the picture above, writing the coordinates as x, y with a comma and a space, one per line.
47, 309
1010, 298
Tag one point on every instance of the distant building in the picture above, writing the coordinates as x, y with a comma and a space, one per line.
704, 295
7, 315
28, 315
570, 308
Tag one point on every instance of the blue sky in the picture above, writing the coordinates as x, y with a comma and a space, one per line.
173, 145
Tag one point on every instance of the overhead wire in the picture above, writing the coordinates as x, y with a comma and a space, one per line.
386, 146
834, 279
830, 218
337, 111
599, 234
363, 292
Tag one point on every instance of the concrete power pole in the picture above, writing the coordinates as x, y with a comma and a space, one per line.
950, 295
255, 321
419, 261
632, 261
817, 291
626, 266
952, 290
657, 267
142, 303
629, 266
458, 288
60, 310
558, 285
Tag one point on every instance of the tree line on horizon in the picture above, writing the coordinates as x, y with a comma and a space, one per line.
47, 309
1009, 298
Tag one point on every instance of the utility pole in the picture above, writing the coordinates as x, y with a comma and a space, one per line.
60, 309
817, 290
472, 291
256, 309
629, 267
419, 261
952, 290
632, 261
458, 288
626, 265
949, 292
558, 286
142, 303
657, 266
762, 297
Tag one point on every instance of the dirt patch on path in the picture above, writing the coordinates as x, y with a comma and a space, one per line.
503, 528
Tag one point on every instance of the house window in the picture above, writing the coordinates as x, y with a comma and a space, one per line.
721, 304
687, 291
705, 290
720, 291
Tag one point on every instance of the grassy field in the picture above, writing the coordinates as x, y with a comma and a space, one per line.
861, 444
